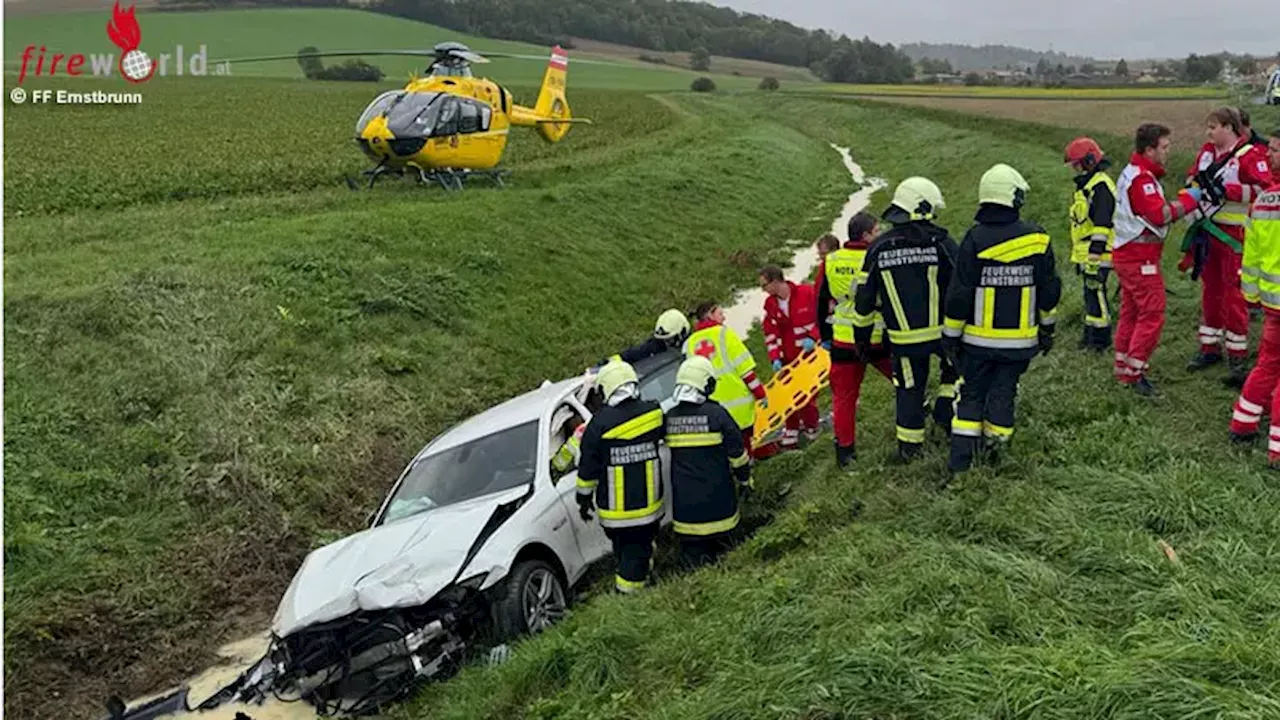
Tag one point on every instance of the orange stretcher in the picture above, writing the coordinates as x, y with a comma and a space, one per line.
790, 389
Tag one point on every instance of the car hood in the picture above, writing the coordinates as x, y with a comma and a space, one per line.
401, 564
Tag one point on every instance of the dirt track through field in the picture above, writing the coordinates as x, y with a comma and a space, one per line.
1121, 117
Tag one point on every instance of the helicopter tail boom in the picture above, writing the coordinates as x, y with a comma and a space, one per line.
550, 113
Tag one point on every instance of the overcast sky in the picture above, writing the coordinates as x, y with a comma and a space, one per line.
1098, 28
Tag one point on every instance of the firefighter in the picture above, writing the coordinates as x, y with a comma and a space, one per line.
1092, 235
620, 473
906, 273
1142, 221
790, 330
1231, 172
669, 332
709, 464
737, 387
1001, 308
841, 274
1260, 283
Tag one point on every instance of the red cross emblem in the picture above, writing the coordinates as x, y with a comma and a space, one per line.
705, 349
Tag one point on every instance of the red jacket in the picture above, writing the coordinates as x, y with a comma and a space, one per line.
1147, 202
784, 332
1249, 181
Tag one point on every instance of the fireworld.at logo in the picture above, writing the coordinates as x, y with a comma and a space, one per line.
134, 65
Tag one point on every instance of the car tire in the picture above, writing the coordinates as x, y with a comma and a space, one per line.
533, 598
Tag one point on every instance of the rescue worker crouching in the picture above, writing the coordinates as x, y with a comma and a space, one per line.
1000, 312
668, 333
620, 473
737, 387
709, 463
1092, 236
907, 270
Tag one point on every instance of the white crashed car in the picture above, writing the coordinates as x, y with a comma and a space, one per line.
478, 542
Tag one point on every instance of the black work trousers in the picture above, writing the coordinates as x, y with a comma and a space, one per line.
633, 553
911, 381
1097, 311
699, 550
985, 408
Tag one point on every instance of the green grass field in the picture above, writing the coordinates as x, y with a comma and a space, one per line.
1135, 92
231, 34
219, 357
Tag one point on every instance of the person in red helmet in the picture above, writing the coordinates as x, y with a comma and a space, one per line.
1092, 235
1142, 221
1231, 171
790, 330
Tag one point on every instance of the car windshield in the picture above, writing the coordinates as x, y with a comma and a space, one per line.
493, 463
659, 385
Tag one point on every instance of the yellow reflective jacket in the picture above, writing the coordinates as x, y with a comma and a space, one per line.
1092, 216
1260, 266
736, 384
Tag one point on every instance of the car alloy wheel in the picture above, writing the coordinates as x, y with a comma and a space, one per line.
542, 599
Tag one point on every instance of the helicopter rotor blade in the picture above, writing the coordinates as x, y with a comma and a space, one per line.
330, 53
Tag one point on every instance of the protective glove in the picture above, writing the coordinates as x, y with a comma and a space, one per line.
1194, 192
764, 402
807, 346
826, 345
745, 488
586, 503
1046, 341
777, 365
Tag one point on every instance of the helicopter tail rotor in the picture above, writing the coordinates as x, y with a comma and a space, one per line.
552, 105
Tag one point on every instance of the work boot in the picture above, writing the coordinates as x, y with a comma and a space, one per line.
1202, 360
907, 452
1237, 373
1242, 439
1144, 388
845, 456
1102, 339
810, 436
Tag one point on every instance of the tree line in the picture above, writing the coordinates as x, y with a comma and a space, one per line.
665, 26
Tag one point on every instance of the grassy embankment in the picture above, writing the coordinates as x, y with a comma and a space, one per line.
1039, 589
232, 34
199, 391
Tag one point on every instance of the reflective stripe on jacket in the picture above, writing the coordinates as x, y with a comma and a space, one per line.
620, 463
1092, 218
707, 453
907, 271
736, 385
1006, 286
1260, 266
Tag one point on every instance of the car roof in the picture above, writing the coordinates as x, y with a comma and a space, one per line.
530, 406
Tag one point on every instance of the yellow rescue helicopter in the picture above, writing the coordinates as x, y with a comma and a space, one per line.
450, 125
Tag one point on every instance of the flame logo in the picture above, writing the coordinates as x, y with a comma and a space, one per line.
123, 28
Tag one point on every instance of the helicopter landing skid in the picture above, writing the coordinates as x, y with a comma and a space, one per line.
447, 178
451, 179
